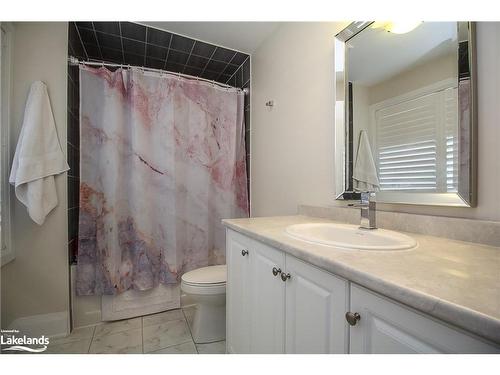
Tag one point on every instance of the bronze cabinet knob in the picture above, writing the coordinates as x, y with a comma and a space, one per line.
352, 318
285, 276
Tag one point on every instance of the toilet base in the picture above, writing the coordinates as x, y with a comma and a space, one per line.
209, 322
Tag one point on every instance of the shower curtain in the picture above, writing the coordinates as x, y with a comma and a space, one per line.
162, 161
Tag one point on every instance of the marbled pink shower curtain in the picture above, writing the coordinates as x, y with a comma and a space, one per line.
162, 162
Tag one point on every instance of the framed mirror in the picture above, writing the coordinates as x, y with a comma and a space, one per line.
405, 112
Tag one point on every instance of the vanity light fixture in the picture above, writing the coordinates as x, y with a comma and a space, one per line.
397, 27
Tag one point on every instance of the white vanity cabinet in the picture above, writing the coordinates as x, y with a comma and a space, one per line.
237, 294
277, 303
268, 312
315, 305
387, 327
267, 299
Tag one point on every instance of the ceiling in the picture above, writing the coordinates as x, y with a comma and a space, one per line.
241, 36
376, 55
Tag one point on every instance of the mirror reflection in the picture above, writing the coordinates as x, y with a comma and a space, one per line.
402, 83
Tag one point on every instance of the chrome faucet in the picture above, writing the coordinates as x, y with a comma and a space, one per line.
368, 211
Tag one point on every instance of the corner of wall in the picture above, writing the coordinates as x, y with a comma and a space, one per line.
36, 283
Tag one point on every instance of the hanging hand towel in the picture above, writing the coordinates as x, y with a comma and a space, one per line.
365, 173
38, 156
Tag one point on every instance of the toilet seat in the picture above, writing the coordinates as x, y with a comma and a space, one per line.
205, 281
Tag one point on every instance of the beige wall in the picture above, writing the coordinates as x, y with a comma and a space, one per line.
292, 144
420, 76
37, 281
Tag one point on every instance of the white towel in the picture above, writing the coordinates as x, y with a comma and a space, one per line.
38, 156
365, 172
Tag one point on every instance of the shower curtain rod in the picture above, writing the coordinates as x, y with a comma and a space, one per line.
74, 61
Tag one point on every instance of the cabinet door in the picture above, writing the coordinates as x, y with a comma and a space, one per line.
268, 301
389, 327
316, 302
238, 293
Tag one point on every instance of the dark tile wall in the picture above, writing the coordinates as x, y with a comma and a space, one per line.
73, 142
133, 44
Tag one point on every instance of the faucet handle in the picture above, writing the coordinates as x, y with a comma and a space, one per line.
367, 197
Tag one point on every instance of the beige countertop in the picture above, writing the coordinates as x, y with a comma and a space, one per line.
454, 281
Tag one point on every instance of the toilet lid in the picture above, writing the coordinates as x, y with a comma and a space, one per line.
206, 275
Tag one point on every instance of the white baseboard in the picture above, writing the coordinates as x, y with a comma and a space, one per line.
50, 325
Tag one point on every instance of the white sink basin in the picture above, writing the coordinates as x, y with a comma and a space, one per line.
351, 237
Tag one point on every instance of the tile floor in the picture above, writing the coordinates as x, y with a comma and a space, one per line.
164, 333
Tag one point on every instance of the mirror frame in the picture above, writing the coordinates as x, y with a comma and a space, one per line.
466, 195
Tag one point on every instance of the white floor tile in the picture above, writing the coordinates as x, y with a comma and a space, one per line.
162, 317
76, 335
71, 347
186, 348
117, 343
164, 335
108, 328
218, 347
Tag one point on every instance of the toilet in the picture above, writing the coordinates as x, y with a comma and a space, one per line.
207, 288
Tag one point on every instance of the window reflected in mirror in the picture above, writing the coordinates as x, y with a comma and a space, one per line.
404, 90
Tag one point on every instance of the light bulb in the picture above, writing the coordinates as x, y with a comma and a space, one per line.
397, 27
402, 27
